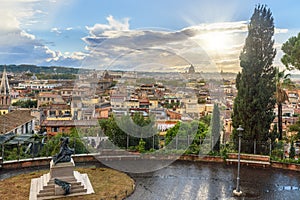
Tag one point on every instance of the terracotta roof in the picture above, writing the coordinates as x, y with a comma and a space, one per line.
11, 120
47, 94
143, 100
69, 123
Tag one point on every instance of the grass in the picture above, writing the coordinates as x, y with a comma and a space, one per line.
107, 184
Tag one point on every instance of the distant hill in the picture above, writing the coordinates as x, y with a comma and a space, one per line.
39, 69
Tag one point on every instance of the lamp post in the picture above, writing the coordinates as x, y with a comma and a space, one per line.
237, 191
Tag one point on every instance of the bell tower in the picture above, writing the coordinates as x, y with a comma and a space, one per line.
5, 98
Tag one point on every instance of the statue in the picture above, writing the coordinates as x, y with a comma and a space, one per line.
65, 185
65, 151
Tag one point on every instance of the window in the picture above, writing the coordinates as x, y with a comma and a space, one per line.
52, 113
54, 129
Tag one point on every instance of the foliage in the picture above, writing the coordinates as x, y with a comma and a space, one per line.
295, 128
15, 153
141, 146
277, 152
216, 129
127, 131
274, 135
254, 104
224, 151
171, 105
282, 81
39, 69
187, 136
291, 50
26, 104
206, 119
52, 145
292, 151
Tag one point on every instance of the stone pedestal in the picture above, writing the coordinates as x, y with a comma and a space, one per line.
45, 188
62, 170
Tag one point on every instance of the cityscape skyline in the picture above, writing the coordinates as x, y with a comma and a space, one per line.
134, 35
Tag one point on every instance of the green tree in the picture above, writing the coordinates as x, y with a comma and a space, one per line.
291, 49
295, 128
130, 129
216, 128
195, 132
26, 104
52, 145
292, 151
281, 96
115, 134
254, 104
141, 146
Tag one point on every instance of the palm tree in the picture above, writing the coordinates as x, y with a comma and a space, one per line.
282, 81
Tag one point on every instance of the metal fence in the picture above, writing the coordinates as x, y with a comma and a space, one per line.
30, 146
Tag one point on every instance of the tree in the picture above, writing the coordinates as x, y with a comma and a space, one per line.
254, 104
291, 49
128, 130
295, 128
292, 151
215, 128
196, 130
52, 145
282, 80
26, 104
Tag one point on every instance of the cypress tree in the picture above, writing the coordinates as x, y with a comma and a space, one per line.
216, 128
254, 104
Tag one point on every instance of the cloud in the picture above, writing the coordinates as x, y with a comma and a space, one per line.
59, 31
209, 46
115, 45
113, 25
55, 30
18, 46
279, 30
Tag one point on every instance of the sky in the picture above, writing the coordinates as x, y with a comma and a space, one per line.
156, 35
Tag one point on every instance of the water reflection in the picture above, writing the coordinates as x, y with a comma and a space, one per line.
189, 180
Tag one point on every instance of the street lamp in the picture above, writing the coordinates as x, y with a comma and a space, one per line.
237, 191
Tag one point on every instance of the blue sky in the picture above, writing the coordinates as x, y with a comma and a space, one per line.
135, 34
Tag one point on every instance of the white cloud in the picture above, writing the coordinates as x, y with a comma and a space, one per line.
18, 46
113, 26
115, 45
207, 46
279, 30
56, 30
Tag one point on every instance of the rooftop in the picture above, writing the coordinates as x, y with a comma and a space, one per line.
70, 123
11, 120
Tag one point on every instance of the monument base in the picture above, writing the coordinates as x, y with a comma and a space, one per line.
45, 188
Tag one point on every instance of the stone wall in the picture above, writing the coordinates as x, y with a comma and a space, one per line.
288, 166
90, 158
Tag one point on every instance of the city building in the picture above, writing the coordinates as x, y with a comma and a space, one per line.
53, 127
17, 122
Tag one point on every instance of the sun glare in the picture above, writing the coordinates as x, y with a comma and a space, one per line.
216, 41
